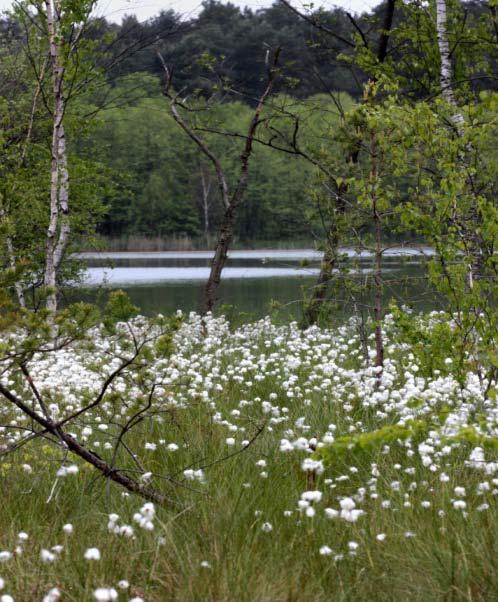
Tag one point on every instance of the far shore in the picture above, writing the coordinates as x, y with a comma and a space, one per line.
263, 253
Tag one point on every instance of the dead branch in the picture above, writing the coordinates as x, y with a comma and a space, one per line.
231, 200
86, 454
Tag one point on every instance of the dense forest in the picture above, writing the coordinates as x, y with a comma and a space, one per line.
157, 184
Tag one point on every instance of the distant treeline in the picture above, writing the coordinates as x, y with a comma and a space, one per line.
225, 46
164, 187
160, 185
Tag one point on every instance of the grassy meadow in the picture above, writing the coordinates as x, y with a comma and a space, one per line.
293, 471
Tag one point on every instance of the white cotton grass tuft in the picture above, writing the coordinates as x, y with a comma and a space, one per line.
68, 528
145, 516
47, 556
53, 595
105, 594
92, 554
123, 530
194, 475
331, 513
65, 471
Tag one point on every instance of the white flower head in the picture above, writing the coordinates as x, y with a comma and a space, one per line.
47, 556
93, 554
64, 471
105, 594
347, 504
53, 595
312, 496
68, 528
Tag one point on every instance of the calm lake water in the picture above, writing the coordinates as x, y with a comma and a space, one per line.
253, 281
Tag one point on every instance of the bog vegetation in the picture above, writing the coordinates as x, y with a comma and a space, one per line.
187, 458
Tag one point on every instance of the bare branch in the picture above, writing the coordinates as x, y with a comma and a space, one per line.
312, 20
222, 182
86, 454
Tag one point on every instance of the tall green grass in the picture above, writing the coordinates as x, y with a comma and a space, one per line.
450, 557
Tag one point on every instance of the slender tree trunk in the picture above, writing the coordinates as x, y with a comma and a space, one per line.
206, 190
12, 262
377, 220
231, 201
58, 228
225, 238
315, 305
445, 72
328, 264
11, 258
226, 232
471, 222
319, 292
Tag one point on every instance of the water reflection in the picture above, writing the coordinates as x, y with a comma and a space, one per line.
252, 280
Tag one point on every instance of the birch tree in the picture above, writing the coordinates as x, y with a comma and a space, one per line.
468, 221
63, 33
446, 71
59, 228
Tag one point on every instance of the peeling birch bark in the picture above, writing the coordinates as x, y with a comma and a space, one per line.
446, 71
470, 225
59, 228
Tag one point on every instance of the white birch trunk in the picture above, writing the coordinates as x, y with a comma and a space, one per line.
470, 225
58, 228
446, 72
